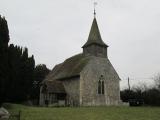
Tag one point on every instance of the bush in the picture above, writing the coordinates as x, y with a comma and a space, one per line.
150, 97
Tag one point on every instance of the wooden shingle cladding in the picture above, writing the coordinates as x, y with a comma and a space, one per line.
94, 36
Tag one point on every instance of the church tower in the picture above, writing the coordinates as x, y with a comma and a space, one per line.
95, 45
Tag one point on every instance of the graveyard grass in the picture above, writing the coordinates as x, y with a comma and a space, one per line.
86, 113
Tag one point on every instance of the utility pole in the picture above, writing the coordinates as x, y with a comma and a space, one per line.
129, 84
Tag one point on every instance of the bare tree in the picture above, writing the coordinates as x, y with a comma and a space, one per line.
143, 86
157, 80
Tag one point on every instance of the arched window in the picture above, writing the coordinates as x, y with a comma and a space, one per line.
101, 85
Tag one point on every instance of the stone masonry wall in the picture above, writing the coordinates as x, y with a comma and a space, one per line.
72, 90
89, 83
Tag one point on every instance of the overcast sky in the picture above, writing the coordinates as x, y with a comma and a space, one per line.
54, 30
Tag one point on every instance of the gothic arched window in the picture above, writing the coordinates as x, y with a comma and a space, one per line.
101, 85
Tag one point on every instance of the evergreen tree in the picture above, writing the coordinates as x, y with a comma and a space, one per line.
18, 74
4, 39
21, 74
40, 73
15, 54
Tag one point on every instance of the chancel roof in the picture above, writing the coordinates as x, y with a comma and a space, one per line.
55, 87
71, 67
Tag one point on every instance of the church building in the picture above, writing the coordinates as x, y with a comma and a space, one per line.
85, 79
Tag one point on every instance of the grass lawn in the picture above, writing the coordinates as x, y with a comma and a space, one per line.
87, 113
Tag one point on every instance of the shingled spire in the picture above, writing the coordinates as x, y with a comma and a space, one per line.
94, 35
95, 45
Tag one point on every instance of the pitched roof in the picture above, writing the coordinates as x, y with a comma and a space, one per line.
72, 66
55, 87
53, 73
94, 35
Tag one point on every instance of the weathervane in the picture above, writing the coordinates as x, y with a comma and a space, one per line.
95, 3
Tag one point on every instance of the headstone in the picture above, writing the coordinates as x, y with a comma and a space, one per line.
4, 114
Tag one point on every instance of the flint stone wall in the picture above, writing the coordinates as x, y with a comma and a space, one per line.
72, 89
89, 83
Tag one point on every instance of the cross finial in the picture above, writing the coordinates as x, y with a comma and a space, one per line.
95, 3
